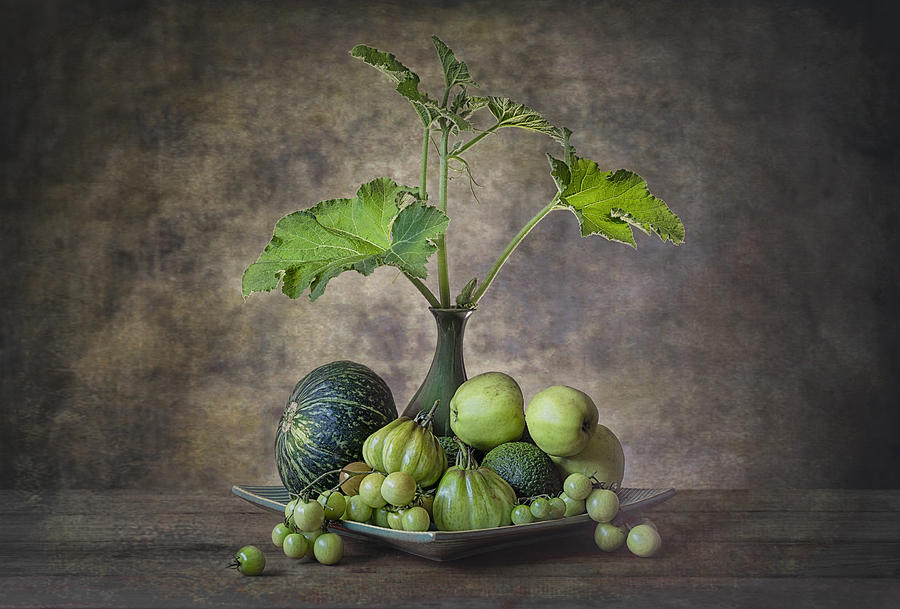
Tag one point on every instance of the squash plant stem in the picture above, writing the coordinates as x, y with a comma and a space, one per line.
423, 195
443, 271
512, 246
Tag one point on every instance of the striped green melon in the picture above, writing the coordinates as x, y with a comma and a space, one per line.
329, 415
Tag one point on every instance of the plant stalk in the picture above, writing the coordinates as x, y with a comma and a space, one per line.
443, 269
427, 293
511, 247
423, 175
476, 139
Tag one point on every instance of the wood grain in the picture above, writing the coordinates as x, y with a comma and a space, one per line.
721, 548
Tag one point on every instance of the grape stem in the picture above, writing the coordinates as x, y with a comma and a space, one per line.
303, 492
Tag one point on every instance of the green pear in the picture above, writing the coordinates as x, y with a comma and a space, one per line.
487, 411
602, 458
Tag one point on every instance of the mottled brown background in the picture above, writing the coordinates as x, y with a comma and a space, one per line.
149, 148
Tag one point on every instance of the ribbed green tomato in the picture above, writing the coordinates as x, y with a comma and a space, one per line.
374, 445
472, 497
411, 447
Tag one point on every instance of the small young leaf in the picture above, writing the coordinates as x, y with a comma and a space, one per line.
513, 114
455, 72
407, 83
310, 247
464, 300
609, 203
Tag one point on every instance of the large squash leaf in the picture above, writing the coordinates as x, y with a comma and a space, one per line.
610, 203
309, 247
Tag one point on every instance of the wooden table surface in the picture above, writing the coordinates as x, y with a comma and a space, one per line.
772, 548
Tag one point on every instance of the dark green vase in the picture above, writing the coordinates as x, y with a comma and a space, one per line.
447, 370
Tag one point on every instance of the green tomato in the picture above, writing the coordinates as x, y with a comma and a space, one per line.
328, 548
295, 545
557, 508
609, 537
415, 519
398, 488
370, 490
574, 507
280, 531
311, 537
540, 508
602, 505
309, 515
521, 514
643, 540
395, 520
334, 504
249, 560
380, 517
289, 509
577, 486
472, 497
358, 510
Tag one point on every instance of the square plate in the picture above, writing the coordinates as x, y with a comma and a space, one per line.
450, 545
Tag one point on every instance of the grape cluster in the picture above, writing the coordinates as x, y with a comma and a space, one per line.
392, 501
303, 533
583, 494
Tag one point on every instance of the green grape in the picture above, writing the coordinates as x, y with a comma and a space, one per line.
521, 514
280, 531
602, 505
370, 490
395, 520
358, 510
249, 560
334, 504
644, 540
574, 507
311, 537
398, 488
557, 508
609, 537
328, 548
577, 486
380, 517
415, 519
295, 545
289, 509
540, 508
309, 515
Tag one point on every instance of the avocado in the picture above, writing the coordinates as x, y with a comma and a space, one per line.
526, 468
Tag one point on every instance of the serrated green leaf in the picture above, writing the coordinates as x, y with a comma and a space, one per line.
407, 83
455, 72
609, 203
560, 172
310, 247
513, 114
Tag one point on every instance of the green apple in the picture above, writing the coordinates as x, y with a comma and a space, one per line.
602, 458
487, 410
561, 420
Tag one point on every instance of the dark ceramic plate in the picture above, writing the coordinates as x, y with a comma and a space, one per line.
450, 545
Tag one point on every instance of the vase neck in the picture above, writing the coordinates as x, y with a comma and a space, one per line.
447, 371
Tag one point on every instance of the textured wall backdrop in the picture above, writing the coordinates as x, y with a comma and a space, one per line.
150, 147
